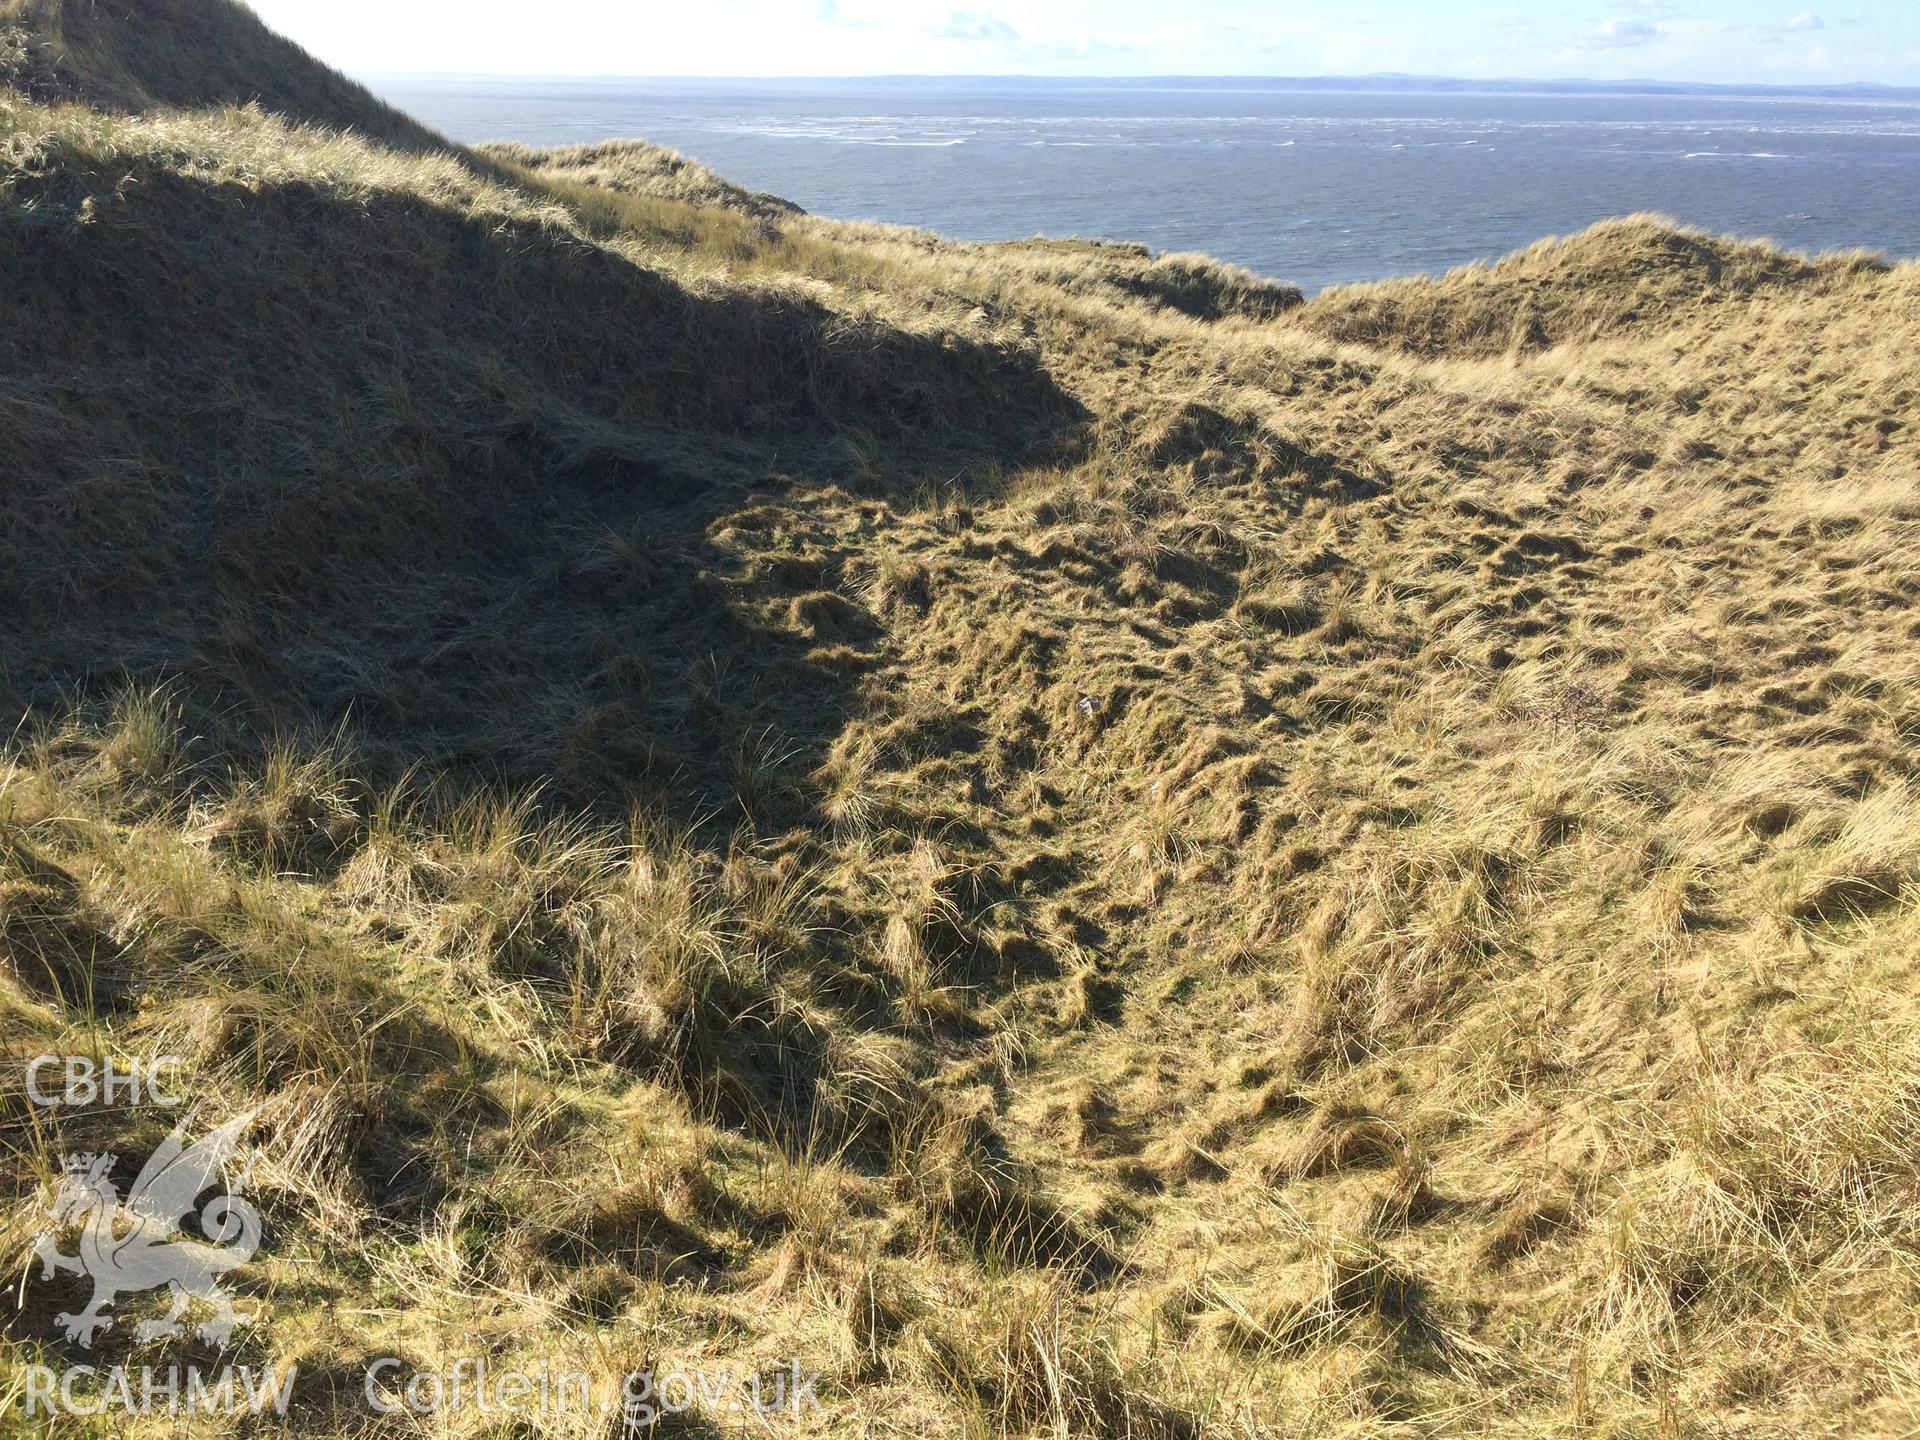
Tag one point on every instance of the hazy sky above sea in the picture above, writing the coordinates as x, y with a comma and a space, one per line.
1707, 40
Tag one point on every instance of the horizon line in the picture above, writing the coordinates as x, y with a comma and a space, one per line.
1403, 79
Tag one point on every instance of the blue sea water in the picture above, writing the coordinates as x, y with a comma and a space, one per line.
1315, 187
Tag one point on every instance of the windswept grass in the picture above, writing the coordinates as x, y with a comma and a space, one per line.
1072, 842
1640, 273
134, 55
633, 167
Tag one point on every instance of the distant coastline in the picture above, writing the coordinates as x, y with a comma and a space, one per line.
1308, 186
1381, 84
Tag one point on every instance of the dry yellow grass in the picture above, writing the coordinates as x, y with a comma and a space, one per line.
633, 167
1082, 847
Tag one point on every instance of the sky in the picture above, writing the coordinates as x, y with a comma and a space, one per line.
1741, 41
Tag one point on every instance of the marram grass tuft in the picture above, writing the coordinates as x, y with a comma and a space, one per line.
1057, 837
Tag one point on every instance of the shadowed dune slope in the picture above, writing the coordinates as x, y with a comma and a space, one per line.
133, 55
1055, 835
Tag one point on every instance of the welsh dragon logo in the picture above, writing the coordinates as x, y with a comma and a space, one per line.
136, 1244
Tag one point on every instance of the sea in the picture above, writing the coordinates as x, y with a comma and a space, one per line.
1313, 186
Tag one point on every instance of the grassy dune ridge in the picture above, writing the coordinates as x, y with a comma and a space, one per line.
1080, 843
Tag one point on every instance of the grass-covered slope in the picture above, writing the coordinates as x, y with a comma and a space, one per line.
423, 379
1188, 284
133, 55
633, 167
1641, 273
1082, 847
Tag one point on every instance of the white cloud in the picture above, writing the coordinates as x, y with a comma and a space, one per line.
828, 12
969, 25
1731, 41
1620, 35
1084, 49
